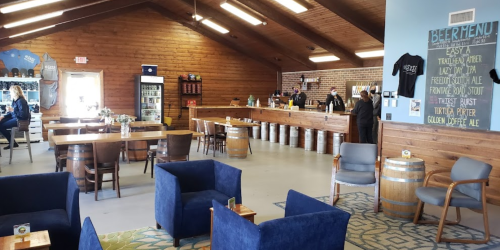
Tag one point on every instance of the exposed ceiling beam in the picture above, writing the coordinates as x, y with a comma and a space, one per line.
356, 19
10, 2
44, 9
70, 25
223, 19
284, 20
213, 36
70, 16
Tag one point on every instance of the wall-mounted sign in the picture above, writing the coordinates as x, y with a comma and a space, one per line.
458, 90
79, 59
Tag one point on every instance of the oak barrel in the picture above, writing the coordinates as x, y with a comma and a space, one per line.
78, 156
400, 178
237, 143
137, 150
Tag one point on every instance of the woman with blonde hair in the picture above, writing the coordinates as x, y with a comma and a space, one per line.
18, 111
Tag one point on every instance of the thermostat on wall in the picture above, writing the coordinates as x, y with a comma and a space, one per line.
386, 94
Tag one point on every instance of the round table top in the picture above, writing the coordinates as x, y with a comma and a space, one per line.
405, 161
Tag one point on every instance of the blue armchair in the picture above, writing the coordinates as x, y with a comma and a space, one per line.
184, 194
308, 224
47, 201
88, 237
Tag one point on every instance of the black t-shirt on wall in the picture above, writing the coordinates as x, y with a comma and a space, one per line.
409, 68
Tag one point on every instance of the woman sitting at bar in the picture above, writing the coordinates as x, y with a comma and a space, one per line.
18, 111
364, 111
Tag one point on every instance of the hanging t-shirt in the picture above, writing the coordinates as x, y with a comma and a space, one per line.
28, 59
10, 58
49, 68
409, 68
48, 94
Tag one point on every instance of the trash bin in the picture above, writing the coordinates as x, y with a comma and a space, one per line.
321, 145
309, 139
284, 134
294, 136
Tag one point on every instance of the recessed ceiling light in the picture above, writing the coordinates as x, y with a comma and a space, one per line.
198, 17
33, 19
215, 26
323, 58
374, 53
26, 5
292, 5
31, 31
241, 14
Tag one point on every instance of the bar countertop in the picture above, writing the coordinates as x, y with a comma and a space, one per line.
274, 109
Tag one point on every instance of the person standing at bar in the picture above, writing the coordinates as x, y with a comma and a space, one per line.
298, 97
375, 97
18, 111
338, 103
364, 111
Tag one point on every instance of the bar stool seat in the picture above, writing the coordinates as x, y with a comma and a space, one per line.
22, 126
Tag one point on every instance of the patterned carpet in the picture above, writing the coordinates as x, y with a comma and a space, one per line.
368, 230
150, 238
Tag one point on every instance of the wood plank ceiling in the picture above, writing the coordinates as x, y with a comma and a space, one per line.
285, 43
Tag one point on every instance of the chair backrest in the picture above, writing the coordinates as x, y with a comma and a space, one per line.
358, 156
200, 126
107, 153
210, 128
90, 120
68, 119
94, 129
88, 237
178, 146
469, 169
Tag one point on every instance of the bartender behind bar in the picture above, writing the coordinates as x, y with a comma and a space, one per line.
299, 98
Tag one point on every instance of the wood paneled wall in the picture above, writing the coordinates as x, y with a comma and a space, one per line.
440, 147
119, 46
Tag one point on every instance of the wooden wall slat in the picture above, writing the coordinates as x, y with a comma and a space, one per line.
441, 147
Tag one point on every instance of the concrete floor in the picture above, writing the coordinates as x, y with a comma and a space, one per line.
267, 176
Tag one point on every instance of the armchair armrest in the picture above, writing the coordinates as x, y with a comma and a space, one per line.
322, 230
228, 180
429, 174
232, 231
168, 201
73, 208
298, 204
453, 185
336, 164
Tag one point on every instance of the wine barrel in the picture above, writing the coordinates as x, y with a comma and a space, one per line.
137, 150
237, 143
400, 178
78, 156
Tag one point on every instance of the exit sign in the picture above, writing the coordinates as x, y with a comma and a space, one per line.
81, 59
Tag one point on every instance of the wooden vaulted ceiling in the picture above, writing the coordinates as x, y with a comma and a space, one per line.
339, 27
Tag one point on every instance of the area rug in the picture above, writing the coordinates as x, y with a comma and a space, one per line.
368, 230
150, 238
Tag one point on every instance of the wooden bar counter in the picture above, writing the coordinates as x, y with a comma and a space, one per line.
337, 122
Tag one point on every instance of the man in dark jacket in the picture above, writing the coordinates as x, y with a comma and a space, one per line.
338, 103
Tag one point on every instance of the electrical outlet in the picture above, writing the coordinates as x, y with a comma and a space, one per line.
388, 116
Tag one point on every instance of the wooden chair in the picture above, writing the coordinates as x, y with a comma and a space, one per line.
94, 129
152, 151
61, 151
468, 189
357, 166
123, 150
70, 120
178, 147
200, 127
214, 139
106, 158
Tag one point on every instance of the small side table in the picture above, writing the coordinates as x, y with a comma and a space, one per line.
241, 210
37, 240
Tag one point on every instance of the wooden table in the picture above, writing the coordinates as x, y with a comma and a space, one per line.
241, 210
57, 118
37, 240
56, 126
237, 135
76, 165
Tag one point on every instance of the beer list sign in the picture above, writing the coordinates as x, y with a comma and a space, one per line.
458, 87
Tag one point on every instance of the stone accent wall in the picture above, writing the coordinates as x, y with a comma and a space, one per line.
330, 78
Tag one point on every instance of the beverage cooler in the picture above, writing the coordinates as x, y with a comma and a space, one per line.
149, 98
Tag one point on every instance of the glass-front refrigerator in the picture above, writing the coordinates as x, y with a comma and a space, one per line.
149, 98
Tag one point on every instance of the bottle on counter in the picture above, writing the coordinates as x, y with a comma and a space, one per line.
330, 108
258, 103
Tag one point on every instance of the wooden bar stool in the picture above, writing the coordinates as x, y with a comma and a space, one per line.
22, 126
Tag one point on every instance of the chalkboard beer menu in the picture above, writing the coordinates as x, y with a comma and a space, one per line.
458, 87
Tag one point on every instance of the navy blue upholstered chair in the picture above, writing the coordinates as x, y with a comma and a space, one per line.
468, 189
88, 237
46, 201
184, 194
356, 165
308, 224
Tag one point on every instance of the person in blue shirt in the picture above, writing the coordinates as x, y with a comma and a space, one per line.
18, 111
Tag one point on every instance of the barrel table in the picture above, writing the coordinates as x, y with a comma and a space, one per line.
237, 142
137, 150
400, 178
78, 156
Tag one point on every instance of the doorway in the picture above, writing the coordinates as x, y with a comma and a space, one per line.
81, 93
